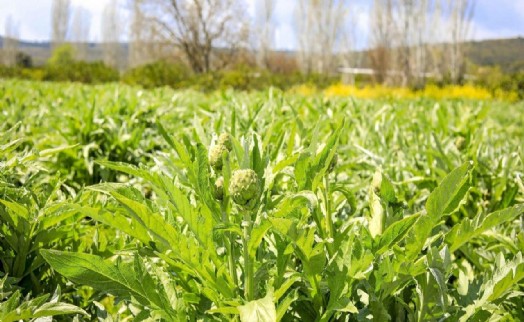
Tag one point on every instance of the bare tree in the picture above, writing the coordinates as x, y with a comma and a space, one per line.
381, 55
413, 39
111, 31
407, 43
264, 29
209, 33
10, 44
60, 20
349, 37
80, 32
460, 14
145, 41
320, 26
137, 54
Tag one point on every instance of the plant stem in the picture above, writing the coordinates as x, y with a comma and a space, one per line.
248, 264
329, 221
230, 249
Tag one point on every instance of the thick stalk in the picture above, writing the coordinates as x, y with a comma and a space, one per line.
248, 263
329, 220
230, 248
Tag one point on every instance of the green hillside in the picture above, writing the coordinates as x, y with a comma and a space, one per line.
506, 53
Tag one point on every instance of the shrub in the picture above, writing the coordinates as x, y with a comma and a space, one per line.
241, 78
160, 73
62, 56
83, 72
8, 72
24, 60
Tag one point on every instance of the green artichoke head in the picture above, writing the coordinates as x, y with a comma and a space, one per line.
460, 143
218, 189
244, 187
226, 140
215, 156
224, 145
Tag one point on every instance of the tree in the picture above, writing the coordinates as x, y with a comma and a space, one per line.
137, 54
24, 60
209, 33
406, 41
145, 43
80, 32
10, 45
264, 30
111, 31
60, 20
62, 56
382, 33
320, 28
459, 15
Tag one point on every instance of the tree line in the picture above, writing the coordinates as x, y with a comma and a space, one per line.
409, 41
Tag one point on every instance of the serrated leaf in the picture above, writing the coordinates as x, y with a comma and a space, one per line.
442, 200
262, 310
384, 186
16, 208
257, 234
471, 228
286, 303
449, 192
506, 277
118, 278
395, 232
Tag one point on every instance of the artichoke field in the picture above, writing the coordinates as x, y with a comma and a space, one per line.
119, 204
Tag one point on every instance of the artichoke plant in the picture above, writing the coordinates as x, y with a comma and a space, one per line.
218, 189
224, 145
244, 187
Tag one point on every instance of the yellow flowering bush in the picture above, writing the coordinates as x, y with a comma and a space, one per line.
431, 91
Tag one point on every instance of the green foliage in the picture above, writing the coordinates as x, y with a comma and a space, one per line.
14, 307
496, 81
506, 53
158, 74
23, 60
241, 77
360, 209
82, 72
121, 278
62, 66
62, 55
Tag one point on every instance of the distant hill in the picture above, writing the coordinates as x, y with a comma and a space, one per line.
506, 53
41, 51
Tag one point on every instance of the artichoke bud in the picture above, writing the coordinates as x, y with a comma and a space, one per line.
218, 189
224, 144
226, 140
215, 156
244, 187
460, 143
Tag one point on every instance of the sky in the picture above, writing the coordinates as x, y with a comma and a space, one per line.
492, 19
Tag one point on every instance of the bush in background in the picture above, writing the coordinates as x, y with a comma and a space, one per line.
83, 72
63, 67
160, 73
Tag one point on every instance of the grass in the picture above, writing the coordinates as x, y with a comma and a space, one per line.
386, 208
